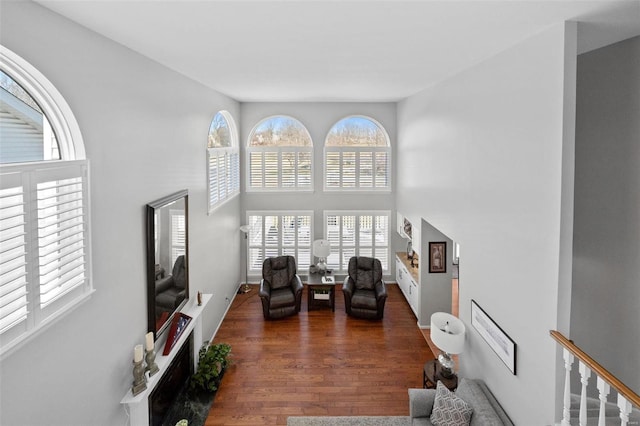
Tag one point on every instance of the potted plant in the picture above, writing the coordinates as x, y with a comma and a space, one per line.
212, 361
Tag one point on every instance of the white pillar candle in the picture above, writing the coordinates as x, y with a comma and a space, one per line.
137, 353
150, 341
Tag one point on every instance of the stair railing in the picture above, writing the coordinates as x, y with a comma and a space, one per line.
605, 381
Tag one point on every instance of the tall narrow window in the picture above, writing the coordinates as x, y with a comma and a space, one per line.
280, 233
44, 204
357, 156
359, 233
224, 160
279, 156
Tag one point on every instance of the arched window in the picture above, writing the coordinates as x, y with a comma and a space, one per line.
357, 156
44, 204
224, 160
279, 156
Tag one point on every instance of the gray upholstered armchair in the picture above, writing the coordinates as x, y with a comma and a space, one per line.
280, 288
364, 290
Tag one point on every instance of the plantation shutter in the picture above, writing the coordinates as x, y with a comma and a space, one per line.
61, 233
357, 234
45, 264
224, 175
332, 169
234, 172
256, 252
214, 179
256, 169
178, 234
352, 168
271, 170
289, 169
223, 167
365, 170
280, 233
280, 168
303, 225
382, 169
13, 253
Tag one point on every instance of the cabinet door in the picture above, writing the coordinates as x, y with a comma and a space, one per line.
414, 296
402, 281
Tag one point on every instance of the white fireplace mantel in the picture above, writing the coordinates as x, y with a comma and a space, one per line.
138, 405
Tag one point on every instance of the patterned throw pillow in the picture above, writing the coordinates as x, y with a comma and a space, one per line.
448, 409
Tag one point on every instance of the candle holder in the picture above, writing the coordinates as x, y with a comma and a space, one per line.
139, 380
152, 367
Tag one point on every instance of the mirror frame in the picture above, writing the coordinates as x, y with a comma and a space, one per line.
151, 260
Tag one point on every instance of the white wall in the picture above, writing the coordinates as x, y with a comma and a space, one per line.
606, 277
145, 131
480, 158
318, 118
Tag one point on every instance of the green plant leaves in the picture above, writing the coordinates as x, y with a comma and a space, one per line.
212, 360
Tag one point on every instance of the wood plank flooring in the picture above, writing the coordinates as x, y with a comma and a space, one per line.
318, 363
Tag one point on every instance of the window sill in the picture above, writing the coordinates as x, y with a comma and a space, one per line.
19, 342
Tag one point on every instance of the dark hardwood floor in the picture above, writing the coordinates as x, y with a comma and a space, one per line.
317, 363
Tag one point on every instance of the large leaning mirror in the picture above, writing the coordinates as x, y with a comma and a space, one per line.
167, 259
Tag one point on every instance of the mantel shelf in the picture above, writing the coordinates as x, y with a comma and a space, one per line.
138, 404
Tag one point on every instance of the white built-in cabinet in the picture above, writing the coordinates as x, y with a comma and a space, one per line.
408, 285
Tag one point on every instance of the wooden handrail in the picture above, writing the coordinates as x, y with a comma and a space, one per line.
593, 365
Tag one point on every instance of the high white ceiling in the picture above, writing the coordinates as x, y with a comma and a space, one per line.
304, 50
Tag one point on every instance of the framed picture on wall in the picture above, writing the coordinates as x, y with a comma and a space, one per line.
438, 257
495, 337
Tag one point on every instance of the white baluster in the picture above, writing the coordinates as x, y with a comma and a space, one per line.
585, 373
625, 409
566, 414
603, 389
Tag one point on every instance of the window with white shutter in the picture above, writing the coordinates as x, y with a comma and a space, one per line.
223, 159
357, 156
178, 234
357, 233
280, 233
279, 156
45, 248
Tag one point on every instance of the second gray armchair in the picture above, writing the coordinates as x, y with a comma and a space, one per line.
364, 291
